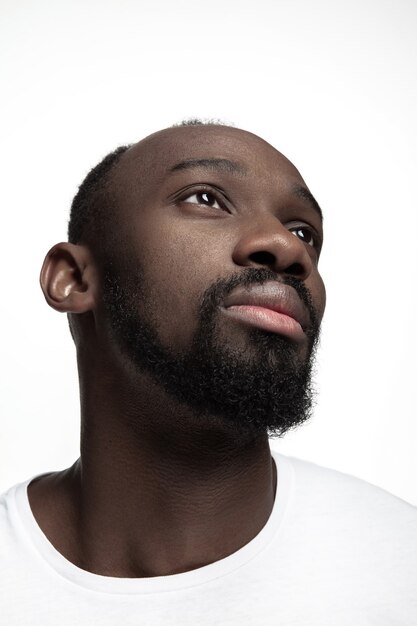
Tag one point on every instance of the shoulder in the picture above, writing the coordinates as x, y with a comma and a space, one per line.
12, 533
333, 501
354, 543
316, 481
331, 488
10, 518
17, 524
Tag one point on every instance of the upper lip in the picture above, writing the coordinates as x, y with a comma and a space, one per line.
271, 295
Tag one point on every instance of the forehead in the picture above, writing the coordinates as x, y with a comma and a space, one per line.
149, 161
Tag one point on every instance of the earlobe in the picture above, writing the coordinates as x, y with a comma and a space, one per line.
68, 278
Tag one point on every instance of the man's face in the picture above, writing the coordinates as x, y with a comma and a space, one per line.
213, 287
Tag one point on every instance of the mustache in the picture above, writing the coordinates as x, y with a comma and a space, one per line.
217, 292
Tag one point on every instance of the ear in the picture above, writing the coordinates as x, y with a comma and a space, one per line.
69, 278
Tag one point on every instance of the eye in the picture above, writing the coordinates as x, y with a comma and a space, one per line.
306, 235
203, 197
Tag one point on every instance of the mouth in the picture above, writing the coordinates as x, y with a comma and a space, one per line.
272, 306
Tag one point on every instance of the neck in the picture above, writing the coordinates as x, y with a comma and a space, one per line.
155, 491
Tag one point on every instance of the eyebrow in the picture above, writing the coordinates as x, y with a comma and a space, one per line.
304, 194
228, 166
224, 165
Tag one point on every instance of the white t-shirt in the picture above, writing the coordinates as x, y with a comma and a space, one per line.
335, 551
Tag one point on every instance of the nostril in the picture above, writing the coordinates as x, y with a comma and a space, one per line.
296, 269
263, 257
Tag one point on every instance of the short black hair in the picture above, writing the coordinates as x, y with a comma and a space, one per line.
90, 206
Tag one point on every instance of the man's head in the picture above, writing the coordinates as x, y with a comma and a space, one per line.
199, 249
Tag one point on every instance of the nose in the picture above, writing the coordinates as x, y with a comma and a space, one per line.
270, 244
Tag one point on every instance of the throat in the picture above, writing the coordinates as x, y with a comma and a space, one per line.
154, 517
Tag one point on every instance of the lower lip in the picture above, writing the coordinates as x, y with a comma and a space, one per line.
266, 319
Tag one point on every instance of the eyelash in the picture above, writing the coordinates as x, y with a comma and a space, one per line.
315, 240
209, 192
315, 244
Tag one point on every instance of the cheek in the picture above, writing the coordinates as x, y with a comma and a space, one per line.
318, 292
179, 268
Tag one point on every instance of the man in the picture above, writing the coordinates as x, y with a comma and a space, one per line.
194, 300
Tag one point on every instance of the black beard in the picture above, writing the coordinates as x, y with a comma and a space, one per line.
268, 392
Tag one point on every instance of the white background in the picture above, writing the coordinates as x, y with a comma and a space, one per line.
330, 84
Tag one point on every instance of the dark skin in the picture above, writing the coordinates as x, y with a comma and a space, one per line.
155, 491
